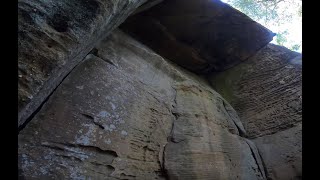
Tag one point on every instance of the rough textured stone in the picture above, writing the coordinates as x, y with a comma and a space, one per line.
282, 153
53, 36
126, 113
265, 90
204, 140
202, 36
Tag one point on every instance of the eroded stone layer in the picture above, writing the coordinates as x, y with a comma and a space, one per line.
54, 36
126, 113
266, 91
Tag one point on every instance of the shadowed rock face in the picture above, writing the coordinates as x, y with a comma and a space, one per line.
120, 110
266, 92
54, 36
126, 113
202, 36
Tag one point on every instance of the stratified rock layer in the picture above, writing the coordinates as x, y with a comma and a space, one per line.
126, 113
54, 36
201, 36
266, 92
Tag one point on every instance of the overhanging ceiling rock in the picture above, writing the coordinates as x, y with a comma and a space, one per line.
202, 36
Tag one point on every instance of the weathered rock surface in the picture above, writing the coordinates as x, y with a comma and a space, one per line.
126, 113
282, 153
202, 35
204, 140
266, 92
54, 36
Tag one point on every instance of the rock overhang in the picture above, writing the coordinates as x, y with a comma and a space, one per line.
201, 36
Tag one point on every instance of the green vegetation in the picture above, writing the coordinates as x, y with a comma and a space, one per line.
281, 16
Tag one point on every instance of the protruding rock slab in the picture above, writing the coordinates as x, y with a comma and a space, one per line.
54, 36
127, 113
202, 35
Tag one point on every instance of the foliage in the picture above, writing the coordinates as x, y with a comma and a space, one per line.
281, 38
268, 11
272, 13
259, 9
295, 47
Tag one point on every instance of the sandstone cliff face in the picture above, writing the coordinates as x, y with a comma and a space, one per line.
54, 36
266, 92
113, 108
126, 113
282, 153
